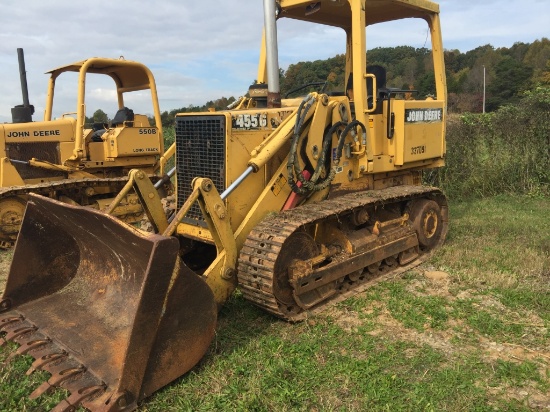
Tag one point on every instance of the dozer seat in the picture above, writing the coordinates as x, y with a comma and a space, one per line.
381, 91
99, 129
123, 115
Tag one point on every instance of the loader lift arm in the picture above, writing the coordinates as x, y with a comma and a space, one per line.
214, 212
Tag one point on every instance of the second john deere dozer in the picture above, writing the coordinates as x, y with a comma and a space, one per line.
320, 196
75, 162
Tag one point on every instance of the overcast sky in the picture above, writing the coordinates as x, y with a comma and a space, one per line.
203, 50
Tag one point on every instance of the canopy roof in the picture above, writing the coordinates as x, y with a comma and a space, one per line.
129, 75
338, 12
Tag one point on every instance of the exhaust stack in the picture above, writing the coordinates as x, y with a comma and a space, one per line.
272, 54
22, 113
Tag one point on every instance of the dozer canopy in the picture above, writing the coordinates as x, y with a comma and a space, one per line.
112, 313
127, 74
338, 13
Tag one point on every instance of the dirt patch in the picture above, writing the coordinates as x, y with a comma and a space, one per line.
431, 283
457, 339
5, 262
347, 320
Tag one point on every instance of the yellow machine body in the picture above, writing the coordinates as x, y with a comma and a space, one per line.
299, 202
52, 156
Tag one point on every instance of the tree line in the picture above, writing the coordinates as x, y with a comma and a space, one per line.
506, 71
509, 72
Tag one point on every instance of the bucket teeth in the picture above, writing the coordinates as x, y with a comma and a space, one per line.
41, 361
19, 333
65, 371
111, 402
77, 397
9, 320
29, 346
10, 327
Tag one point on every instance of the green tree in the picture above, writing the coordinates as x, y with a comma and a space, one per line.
511, 78
517, 51
100, 117
331, 70
538, 57
545, 75
426, 85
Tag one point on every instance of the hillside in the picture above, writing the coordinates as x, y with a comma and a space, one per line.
508, 73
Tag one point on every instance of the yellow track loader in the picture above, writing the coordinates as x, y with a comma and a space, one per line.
299, 202
74, 162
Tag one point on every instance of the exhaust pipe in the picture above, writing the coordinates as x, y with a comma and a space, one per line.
22, 113
272, 54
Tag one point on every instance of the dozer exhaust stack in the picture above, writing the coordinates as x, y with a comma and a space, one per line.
22, 113
112, 313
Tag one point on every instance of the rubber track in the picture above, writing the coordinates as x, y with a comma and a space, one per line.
264, 243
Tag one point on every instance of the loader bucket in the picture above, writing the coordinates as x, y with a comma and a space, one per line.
112, 313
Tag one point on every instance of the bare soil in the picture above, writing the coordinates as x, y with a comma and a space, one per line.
459, 339
5, 262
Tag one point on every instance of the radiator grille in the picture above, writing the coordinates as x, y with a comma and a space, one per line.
46, 151
200, 152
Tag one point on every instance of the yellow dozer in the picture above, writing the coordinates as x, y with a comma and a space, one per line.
299, 202
74, 162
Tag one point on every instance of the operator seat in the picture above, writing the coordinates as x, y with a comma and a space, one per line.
99, 130
123, 115
381, 91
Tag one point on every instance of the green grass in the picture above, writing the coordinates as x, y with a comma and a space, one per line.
476, 340
518, 373
504, 240
413, 311
16, 386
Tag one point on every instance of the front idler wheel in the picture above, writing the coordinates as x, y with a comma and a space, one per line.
427, 221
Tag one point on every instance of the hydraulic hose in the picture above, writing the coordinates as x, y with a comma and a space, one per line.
348, 128
314, 185
293, 165
301, 114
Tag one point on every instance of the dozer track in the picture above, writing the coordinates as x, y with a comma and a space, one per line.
12, 205
46, 187
298, 261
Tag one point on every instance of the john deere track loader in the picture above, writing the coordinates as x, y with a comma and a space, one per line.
74, 162
298, 202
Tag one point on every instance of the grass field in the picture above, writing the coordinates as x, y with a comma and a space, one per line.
467, 331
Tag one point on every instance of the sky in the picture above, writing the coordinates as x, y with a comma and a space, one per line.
203, 50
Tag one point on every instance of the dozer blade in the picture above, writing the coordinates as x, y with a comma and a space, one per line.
112, 313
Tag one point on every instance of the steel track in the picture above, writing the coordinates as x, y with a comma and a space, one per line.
50, 187
264, 243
